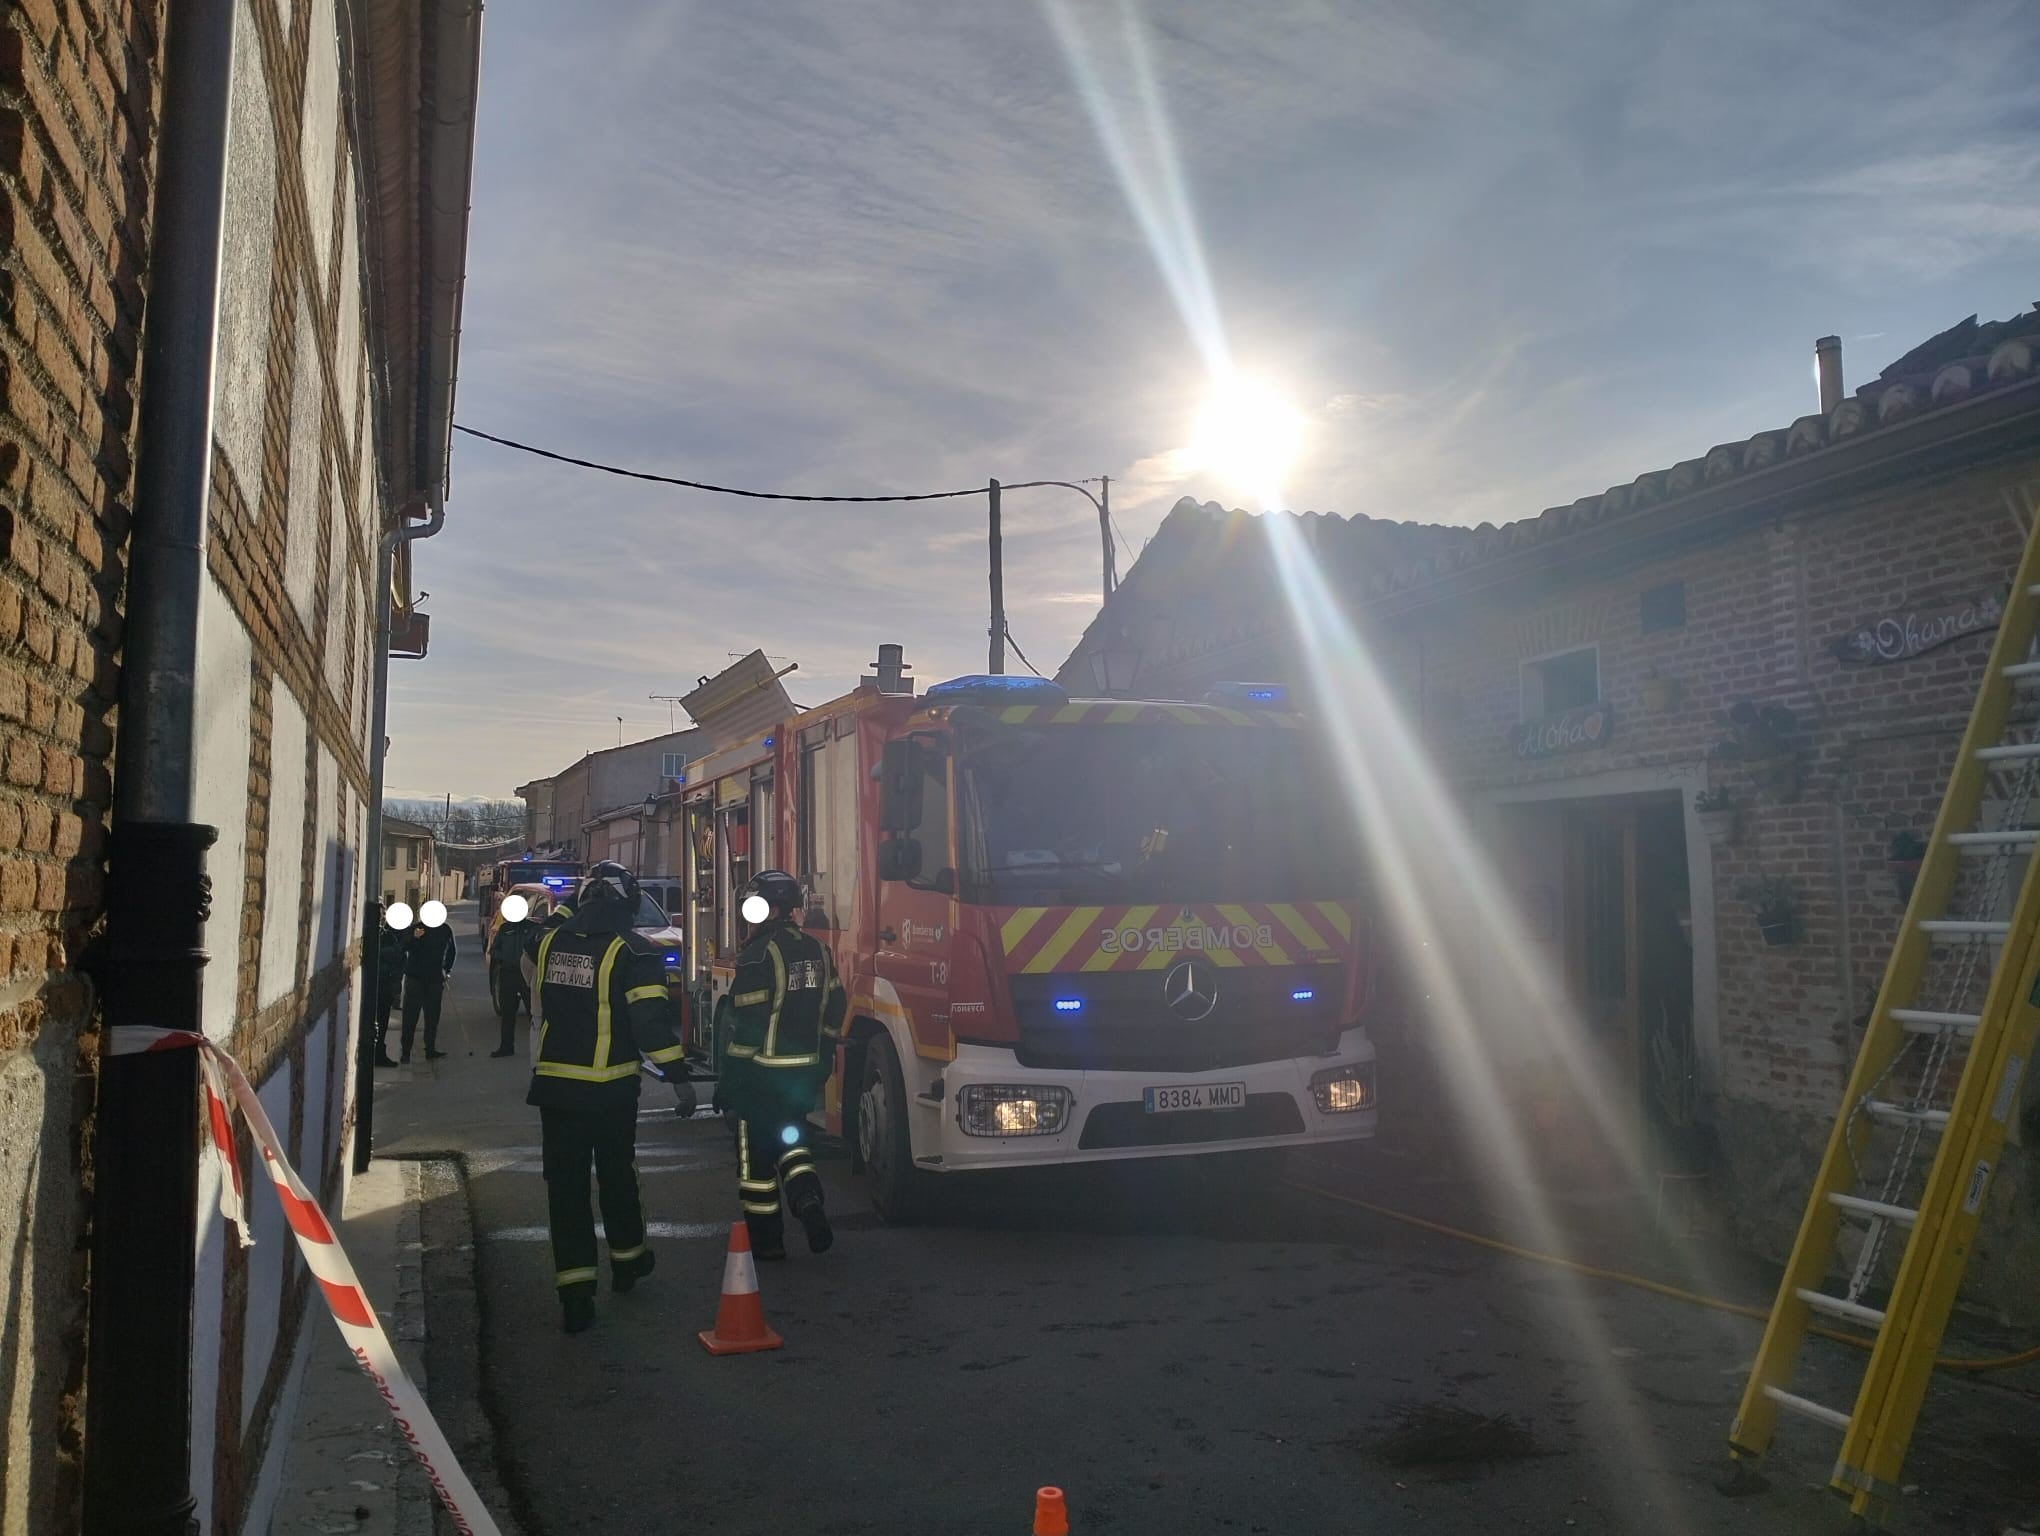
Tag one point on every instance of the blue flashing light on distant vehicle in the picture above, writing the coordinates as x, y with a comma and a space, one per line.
1302, 995
1249, 695
1069, 1005
981, 687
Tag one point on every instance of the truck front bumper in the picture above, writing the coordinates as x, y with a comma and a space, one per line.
1108, 1118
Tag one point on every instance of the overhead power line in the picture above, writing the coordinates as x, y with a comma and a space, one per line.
1030, 666
724, 490
733, 490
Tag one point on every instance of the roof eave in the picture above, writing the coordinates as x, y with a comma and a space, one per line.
415, 72
1992, 427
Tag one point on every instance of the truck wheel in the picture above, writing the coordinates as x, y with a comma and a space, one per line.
896, 1186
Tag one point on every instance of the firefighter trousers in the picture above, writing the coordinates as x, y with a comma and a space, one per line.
569, 1140
769, 1165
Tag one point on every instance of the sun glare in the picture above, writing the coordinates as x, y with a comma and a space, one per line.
1248, 436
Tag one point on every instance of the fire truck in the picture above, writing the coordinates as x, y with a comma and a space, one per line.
1071, 930
560, 877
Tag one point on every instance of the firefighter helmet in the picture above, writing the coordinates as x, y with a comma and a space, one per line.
771, 893
609, 887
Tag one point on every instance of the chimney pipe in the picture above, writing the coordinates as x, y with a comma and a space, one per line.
1827, 369
891, 668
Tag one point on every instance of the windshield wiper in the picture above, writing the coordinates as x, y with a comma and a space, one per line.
1060, 866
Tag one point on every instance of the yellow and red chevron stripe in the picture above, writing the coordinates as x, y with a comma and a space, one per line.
1106, 712
1136, 937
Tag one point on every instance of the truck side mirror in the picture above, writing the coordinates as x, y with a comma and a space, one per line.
899, 858
899, 786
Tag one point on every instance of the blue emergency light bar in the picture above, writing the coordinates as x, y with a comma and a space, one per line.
554, 880
1069, 1005
1302, 995
982, 687
1249, 695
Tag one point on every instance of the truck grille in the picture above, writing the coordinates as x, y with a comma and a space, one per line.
1125, 1026
1130, 1125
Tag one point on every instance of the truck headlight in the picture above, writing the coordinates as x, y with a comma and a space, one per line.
1012, 1109
1341, 1089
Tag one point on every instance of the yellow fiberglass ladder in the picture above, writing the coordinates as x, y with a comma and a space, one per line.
1935, 1088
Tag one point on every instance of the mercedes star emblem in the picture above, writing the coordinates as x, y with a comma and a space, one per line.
1190, 990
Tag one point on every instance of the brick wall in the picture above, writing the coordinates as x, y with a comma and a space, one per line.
282, 686
78, 92
1873, 744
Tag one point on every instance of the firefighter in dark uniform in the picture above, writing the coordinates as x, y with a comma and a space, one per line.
789, 1015
601, 996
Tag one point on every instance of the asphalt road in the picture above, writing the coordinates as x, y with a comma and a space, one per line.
1178, 1356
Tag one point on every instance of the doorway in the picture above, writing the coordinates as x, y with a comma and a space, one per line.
1629, 927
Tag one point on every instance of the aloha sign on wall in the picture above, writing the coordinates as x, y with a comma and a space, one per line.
1576, 730
1914, 631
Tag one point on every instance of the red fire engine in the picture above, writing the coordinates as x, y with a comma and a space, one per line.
1071, 930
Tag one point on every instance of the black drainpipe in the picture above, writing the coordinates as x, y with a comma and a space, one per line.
149, 967
371, 919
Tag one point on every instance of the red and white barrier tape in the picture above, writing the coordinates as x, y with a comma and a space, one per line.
222, 1077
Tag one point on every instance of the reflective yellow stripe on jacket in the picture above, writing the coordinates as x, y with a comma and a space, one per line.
599, 1070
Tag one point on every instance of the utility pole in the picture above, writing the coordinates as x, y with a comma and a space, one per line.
619, 730
998, 664
1105, 530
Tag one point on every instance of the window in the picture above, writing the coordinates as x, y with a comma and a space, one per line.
673, 765
807, 797
1663, 607
933, 832
389, 855
410, 855
1554, 684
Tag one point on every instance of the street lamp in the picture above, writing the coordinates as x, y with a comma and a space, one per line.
1115, 664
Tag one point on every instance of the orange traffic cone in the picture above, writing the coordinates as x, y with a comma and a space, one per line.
1051, 1514
740, 1320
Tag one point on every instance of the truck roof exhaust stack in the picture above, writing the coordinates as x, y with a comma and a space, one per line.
893, 671
1827, 371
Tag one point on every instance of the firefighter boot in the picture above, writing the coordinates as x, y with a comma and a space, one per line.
577, 1309
815, 1220
627, 1274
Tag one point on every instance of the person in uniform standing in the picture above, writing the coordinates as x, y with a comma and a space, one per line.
428, 965
600, 997
789, 1007
506, 967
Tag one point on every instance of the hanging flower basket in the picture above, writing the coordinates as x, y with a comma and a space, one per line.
1776, 909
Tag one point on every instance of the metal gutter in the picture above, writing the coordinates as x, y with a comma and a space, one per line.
150, 965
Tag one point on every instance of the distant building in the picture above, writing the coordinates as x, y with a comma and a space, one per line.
1795, 623
569, 813
408, 872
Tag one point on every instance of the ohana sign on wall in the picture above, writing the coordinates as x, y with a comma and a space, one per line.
1576, 730
1914, 631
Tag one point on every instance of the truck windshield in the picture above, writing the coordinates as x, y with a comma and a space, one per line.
1164, 813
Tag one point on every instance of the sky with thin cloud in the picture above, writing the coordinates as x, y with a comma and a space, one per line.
1497, 256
